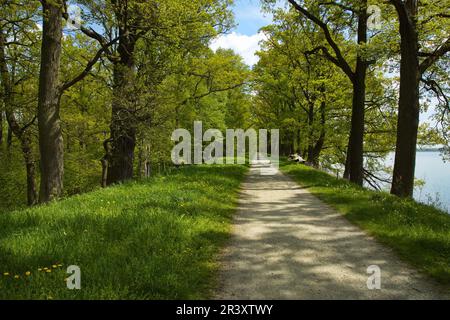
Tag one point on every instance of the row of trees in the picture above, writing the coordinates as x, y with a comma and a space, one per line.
98, 101
113, 88
320, 48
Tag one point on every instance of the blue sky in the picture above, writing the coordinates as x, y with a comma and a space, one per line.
249, 17
245, 38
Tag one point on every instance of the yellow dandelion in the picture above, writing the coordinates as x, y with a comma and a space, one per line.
28, 273
39, 269
45, 269
60, 265
6, 274
48, 271
16, 276
54, 266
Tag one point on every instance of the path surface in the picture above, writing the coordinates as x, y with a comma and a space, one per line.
287, 244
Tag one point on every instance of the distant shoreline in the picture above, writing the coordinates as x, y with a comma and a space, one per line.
429, 150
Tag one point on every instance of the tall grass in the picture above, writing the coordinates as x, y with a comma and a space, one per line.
155, 239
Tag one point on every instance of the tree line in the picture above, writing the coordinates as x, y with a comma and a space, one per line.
95, 103
386, 73
100, 99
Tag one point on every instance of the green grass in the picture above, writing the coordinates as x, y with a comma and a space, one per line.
155, 239
419, 234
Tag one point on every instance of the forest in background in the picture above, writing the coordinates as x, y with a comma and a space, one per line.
92, 104
164, 79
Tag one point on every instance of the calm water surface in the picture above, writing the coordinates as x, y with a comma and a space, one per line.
436, 174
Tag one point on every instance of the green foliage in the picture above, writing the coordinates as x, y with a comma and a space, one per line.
154, 239
307, 96
12, 178
177, 81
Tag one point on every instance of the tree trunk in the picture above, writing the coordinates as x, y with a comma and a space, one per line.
285, 147
105, 162
144, 162
310, 157
50, 136
123, 124
317, 149
408, 109
13, 126
27, 153
30, 163
9, 137
104, 182
1, 127
347, 164
356, 139
299, 141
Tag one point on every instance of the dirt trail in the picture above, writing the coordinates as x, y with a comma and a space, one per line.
287, 244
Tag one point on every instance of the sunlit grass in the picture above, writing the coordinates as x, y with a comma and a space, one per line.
155, 239
420, 234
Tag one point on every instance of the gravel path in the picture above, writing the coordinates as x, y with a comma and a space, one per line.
287, 244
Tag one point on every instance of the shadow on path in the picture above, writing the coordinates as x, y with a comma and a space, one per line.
287, 244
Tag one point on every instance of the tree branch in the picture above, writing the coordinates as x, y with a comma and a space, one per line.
88, 68
436, 55
339, 60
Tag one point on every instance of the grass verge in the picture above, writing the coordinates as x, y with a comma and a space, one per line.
419, 234
155, 239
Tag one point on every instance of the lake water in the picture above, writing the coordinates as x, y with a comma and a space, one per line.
436, 174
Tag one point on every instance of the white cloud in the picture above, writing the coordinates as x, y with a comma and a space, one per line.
244, 45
